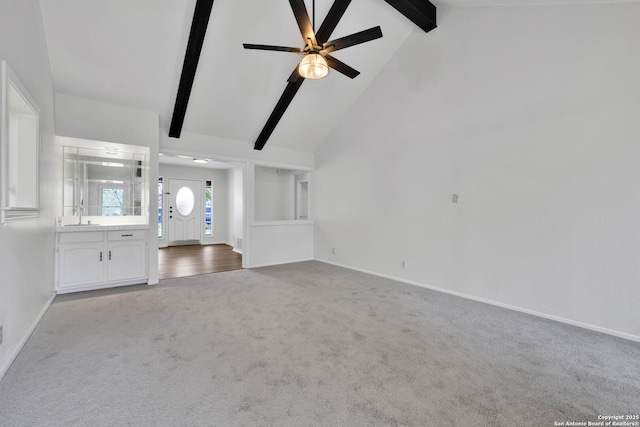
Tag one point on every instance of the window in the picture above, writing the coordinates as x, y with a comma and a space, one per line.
208, 203
160, 205
185, 201
112, 201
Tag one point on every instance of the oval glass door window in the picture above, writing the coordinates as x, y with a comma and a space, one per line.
185, 201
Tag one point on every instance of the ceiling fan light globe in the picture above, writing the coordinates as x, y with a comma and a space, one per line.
313, 66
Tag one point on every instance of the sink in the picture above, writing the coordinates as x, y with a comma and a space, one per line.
80, 225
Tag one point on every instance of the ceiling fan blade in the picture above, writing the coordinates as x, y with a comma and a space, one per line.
341, 67
331, 20
304, 23
269, 47
201, 15
352, 40
286, 98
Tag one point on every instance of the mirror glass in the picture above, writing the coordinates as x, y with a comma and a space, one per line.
104, 181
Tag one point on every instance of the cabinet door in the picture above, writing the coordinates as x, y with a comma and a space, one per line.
127, 260
80, 264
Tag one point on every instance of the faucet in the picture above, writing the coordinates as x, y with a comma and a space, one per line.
79, 210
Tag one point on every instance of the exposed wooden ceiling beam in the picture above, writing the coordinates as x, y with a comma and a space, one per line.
277, 113
199, 24
420, 12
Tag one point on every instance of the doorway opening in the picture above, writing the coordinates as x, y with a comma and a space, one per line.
200, 216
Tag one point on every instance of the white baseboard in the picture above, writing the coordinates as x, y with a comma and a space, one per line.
213, 242
12, 357
589, 326
233, 248
281, 263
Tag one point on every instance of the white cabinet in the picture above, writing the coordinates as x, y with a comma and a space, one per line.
126, 255
80, 264
100, 259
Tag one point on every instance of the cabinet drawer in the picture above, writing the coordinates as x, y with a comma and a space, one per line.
126, 235
81, 237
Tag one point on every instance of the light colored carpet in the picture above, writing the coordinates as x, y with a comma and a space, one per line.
309, 344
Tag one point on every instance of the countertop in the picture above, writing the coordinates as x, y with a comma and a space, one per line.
98, 227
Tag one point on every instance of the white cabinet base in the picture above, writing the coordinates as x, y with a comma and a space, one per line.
88, 260
103, 285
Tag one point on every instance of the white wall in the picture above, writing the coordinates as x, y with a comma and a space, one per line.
272, 195
83, 118
229, 150
236, 207
280, 242
220, 195
530, 114
27, 247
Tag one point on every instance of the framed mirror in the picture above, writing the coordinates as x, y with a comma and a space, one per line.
20, 147
104, 179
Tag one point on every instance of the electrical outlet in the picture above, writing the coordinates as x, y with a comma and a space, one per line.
404, 264
454, 198
0, 334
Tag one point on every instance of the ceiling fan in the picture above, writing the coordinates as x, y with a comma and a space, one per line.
316, 50
316, 59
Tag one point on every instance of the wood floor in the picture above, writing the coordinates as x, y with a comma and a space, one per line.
181, 261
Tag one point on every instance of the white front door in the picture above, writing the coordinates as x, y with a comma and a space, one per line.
185, 210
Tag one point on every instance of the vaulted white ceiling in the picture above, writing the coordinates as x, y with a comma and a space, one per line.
130, 53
